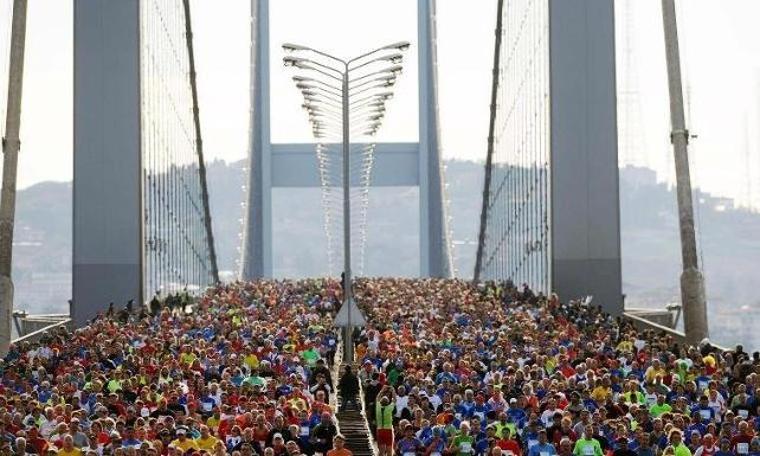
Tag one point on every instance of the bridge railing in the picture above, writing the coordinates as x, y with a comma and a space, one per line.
642, 324
25, 323
36, 335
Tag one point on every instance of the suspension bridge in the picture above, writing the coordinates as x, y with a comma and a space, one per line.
142, 221
494, 365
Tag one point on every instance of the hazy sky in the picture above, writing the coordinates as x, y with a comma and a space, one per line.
222, 39
721, 48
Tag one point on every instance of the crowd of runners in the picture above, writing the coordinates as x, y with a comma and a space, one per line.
452, 369
447, 369
246, 372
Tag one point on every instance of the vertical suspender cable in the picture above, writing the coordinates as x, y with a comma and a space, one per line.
489, 155
199, 147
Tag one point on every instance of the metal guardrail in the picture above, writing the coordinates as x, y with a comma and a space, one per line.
365, 414
34, 336
662, 317
643, 324
25, 324
57, 316
45, 323
335, 372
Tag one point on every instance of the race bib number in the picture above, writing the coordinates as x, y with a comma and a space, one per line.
703, 385
705, 414
544, 453
409, 453
588, 450
304, 431
532, 443
742, 448
465, 447
743, 413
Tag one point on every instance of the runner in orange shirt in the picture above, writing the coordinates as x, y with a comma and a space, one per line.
339, 448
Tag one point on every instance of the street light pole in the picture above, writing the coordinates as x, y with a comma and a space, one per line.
692, 281
322, 102
347, 289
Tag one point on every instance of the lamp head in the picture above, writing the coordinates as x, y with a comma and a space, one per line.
401, 46
394, 58
396, 69
290, 47
289, 60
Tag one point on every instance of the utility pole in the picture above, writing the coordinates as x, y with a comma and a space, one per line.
692, 282
11, 145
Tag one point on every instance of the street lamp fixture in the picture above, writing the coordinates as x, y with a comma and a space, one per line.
394, 70
392, 58
401, 46
389, 79
383, 96
365, 114
290, 47
315, 83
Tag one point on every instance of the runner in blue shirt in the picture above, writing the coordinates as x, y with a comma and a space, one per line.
409, 444
543, 447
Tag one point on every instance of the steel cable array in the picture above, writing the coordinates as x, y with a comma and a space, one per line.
515, 237
178, 251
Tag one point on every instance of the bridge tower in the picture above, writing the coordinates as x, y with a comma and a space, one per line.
551, 205
141, 221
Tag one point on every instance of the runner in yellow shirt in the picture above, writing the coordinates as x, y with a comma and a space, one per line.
182, 443
213, 421
68, 447
206, 441
187, 356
